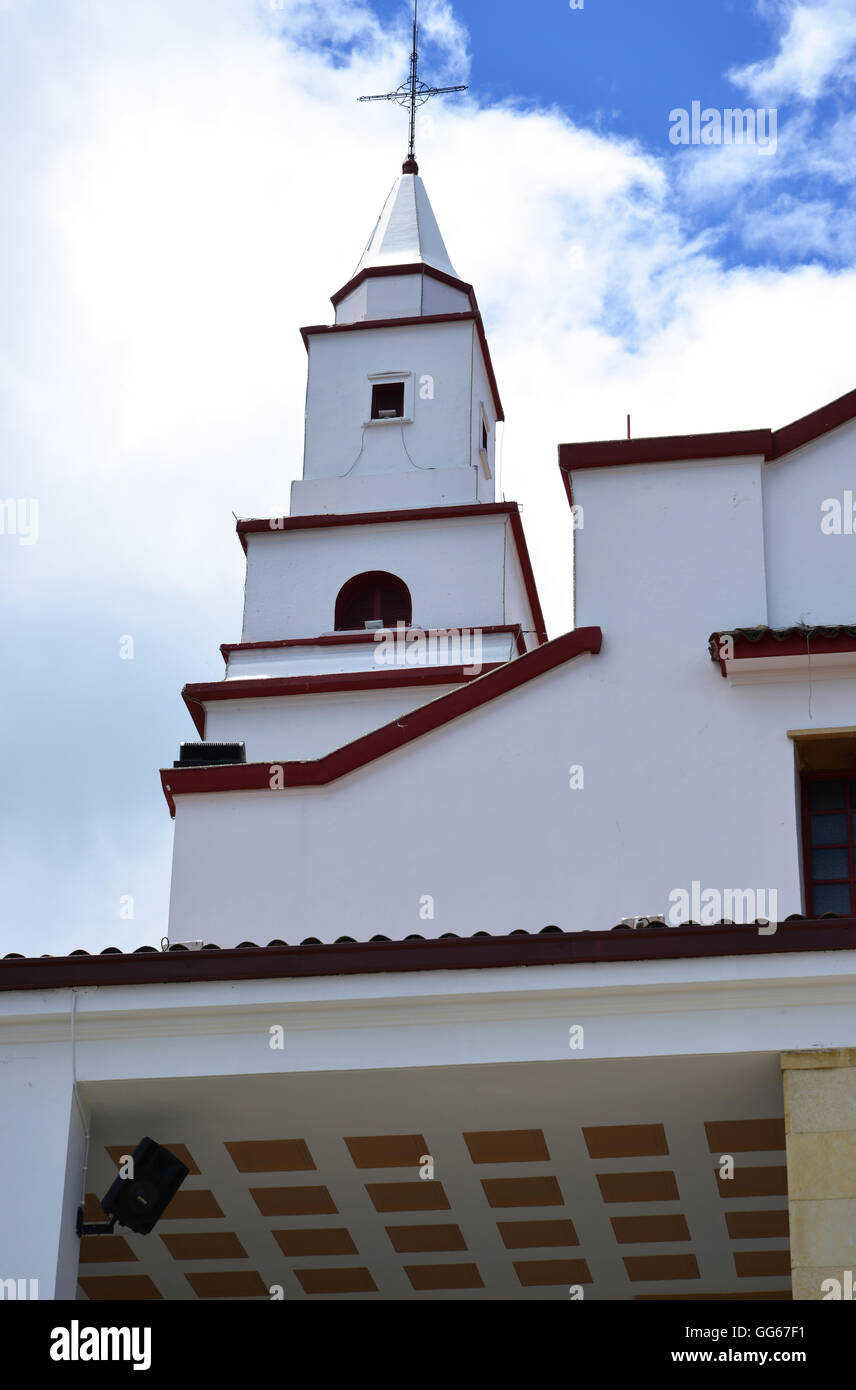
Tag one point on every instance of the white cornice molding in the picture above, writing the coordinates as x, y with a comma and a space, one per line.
765, 670
690, 1012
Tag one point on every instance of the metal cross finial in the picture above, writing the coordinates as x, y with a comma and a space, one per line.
413, 93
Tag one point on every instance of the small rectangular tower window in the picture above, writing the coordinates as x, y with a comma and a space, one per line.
388, 400
484, 434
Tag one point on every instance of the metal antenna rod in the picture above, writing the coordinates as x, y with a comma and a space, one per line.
414, 74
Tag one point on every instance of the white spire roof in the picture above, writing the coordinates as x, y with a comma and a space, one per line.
407, 231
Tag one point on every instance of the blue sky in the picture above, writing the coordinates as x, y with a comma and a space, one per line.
188, 181
617, 63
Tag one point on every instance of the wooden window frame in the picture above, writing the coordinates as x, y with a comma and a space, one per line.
362, 584
807, 778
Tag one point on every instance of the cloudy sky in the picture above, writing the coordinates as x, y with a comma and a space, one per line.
187, 181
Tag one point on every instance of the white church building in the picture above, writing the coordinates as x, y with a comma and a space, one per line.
505, 965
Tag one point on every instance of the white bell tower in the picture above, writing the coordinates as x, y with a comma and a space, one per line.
397, 578
396, 584
402, 402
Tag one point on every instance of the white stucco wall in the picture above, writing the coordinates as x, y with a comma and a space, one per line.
41, 1159
670, 552
685, 777
309, 659
452, 567
483, 401
339, 367
300, 727
811, 576
400, 296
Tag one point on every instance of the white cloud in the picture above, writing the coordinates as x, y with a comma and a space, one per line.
816, 50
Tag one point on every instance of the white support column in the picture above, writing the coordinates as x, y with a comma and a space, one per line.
41, 1164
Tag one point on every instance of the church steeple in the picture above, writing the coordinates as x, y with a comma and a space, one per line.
406, 231
403, 413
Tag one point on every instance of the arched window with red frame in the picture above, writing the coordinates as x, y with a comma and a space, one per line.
371, 600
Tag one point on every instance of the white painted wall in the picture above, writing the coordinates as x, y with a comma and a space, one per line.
516, 598
400, 296
383, 492
811, 576
302, 727
719, 544
453, 568
685, 778
483, 401
340, 365
670, 552
389, 296
438, 298
333, 659
41, 1163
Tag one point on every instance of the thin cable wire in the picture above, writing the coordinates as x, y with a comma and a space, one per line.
423, 467
359, 455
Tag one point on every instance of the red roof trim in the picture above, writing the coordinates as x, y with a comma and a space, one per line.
335, 639
477, 509
795, 644
379, 272
813, 426
325, 519
364, 325
666, 449
408, 727
772, 444
469, 316
277, 687
528, 575
569, 487
465, 953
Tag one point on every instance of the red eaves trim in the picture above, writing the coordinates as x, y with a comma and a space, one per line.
771, 444
335, 639
808, 644
383, 957
668, 449
379, 272
322, 520
322, 771
809, 427
569, 487
278, 525
417, 320
528, 575
272, 687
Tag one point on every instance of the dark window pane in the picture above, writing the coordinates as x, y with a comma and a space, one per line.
380, 602
826, 795
829, 830
372, 597
831, 897
853, 794
388, 401
830, 863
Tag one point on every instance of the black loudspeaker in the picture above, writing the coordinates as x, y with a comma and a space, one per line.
139, 1201
211, 754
